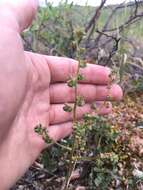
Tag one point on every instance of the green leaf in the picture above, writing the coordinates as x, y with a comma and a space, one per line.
80, 77
72, 83
39, 129
67, 108
80, 101
82, 63
42, 131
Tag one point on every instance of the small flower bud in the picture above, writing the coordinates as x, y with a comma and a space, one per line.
94, 106
79, 34
73, 45
67, 108
109, 98
42, 131
82, 63
81, 50
80, 101
72, 82
80, 77
39, 129
112, 76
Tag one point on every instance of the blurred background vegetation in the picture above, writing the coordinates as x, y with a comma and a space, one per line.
52, 33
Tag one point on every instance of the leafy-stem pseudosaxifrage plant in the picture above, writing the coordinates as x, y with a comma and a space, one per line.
81, 128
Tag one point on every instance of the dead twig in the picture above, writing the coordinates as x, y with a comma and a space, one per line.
92, 23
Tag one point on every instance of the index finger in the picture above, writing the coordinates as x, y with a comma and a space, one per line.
62, 68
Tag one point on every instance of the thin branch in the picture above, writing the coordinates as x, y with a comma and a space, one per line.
107, 35
133, 17
126, 24
95, 16
92, 24
136, 7
115, 46
122, 5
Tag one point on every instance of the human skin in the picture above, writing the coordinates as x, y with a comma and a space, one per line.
33, 90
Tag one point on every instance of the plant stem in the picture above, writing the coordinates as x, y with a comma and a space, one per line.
62, 146
73, 162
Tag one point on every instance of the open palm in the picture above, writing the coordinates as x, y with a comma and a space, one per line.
34, 90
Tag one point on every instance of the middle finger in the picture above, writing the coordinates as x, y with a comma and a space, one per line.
61, 93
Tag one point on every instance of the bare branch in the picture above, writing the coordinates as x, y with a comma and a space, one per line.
95, 16
126, 24
132, 19
115, 46
107, 35
92, 24
123, 5
136, 7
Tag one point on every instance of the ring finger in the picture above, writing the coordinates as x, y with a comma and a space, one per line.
58, 115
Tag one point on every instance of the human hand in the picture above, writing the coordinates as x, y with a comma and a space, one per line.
33, 91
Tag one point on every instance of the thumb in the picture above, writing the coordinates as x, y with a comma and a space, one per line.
23, 11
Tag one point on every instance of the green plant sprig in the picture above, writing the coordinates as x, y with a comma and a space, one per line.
80, 129
43, 132
79, 101
75, 155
